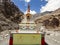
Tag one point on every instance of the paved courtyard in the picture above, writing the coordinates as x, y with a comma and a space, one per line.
53, 38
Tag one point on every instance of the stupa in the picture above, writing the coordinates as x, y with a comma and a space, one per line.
27, 23
27, 33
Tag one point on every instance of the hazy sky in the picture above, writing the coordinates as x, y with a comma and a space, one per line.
37, 6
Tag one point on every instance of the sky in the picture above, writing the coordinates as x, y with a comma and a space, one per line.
37, 6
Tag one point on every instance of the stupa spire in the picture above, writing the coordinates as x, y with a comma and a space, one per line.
28, 11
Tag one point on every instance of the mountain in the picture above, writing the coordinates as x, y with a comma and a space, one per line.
12, 12
38, 15
10, 16
6, 24
51, 20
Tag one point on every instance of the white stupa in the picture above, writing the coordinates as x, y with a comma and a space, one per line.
27, 23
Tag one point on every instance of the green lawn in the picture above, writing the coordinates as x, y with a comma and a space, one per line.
26, 39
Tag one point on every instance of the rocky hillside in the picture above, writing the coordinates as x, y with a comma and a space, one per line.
6, 24
50, 20
10, 16
11, 12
